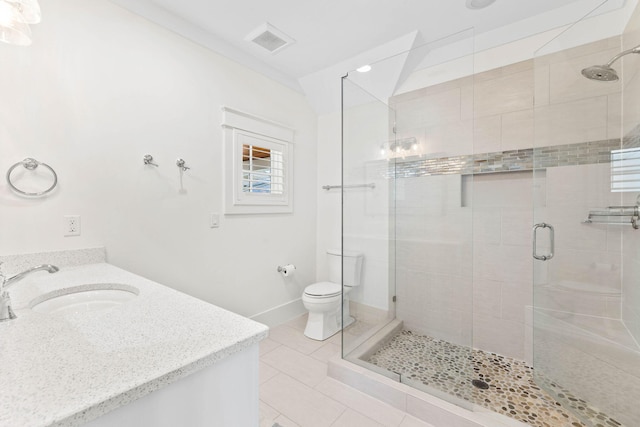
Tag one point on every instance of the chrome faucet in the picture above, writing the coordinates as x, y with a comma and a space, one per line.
13, 279
6, 312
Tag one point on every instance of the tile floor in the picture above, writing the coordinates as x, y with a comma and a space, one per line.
296, 391
511, 390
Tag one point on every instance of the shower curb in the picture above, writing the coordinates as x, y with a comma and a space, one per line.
421, 405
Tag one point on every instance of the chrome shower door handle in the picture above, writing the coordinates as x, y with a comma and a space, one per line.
551, 240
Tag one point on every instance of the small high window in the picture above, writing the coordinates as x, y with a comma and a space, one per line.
262, 170
625, 170
258, 164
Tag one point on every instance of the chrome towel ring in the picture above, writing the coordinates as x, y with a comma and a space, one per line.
31, 164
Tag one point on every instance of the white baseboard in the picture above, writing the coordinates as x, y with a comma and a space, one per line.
283, 313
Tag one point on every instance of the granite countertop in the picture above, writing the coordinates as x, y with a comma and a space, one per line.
65, 370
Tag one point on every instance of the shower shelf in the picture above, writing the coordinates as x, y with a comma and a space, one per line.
615, 215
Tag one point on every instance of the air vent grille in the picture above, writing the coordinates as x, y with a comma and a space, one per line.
269, 41
269, 38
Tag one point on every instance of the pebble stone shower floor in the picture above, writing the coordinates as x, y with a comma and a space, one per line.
512, 391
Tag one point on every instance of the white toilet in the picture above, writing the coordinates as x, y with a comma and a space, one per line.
322, 299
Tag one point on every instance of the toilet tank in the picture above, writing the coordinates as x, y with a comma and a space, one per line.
352, 267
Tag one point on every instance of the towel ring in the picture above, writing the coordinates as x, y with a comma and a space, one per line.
31, 164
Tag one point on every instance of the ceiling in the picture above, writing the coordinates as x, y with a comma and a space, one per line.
330, 32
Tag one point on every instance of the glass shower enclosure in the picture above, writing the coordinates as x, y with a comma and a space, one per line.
407, 208
497, 211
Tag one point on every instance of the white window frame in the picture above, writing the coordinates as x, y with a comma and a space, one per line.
242, 128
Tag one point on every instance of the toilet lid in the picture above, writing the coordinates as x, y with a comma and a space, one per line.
323, 289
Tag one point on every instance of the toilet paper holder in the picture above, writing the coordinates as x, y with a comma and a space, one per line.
286, 270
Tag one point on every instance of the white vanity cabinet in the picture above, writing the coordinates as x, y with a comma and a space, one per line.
162, 358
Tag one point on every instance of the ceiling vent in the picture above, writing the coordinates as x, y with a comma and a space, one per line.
269, 38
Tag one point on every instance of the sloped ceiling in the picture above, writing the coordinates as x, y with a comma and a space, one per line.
335, 36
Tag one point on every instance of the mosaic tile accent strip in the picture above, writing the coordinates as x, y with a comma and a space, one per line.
583, 153
512, 391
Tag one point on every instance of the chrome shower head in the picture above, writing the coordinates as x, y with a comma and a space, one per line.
602, 73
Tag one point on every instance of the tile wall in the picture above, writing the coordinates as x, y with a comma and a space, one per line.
464, 265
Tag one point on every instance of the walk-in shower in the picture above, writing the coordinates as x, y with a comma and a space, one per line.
455, 301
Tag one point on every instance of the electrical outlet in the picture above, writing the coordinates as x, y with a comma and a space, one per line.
214, 220
71, 225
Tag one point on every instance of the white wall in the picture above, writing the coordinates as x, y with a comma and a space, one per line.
366, 213
329, 201
101, 87
366, 222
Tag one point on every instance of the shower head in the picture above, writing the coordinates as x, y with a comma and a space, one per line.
601, 73
604, 73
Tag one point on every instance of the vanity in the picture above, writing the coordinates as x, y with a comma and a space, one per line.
99, 346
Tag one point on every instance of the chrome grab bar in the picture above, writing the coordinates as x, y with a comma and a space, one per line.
551, 239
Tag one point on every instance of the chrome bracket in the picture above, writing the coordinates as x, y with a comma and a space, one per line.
182, 165
148, 160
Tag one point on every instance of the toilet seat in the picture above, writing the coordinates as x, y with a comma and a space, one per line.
323, 290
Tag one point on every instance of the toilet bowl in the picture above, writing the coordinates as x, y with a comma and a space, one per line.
323, 299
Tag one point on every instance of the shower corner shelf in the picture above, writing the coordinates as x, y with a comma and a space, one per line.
619, 215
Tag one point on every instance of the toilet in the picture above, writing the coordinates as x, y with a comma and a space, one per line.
323, 299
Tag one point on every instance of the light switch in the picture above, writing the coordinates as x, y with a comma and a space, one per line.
214, 220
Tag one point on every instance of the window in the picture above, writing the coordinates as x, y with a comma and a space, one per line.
258, 164
625, 170
262, 170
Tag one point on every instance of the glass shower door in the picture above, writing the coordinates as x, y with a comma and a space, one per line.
584, 351
434, 214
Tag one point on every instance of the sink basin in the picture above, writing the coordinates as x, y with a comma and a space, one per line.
84, 298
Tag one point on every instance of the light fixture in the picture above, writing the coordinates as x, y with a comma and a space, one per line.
15, 17
13, 28
30, 10
364, 69
479, 4
400, 148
